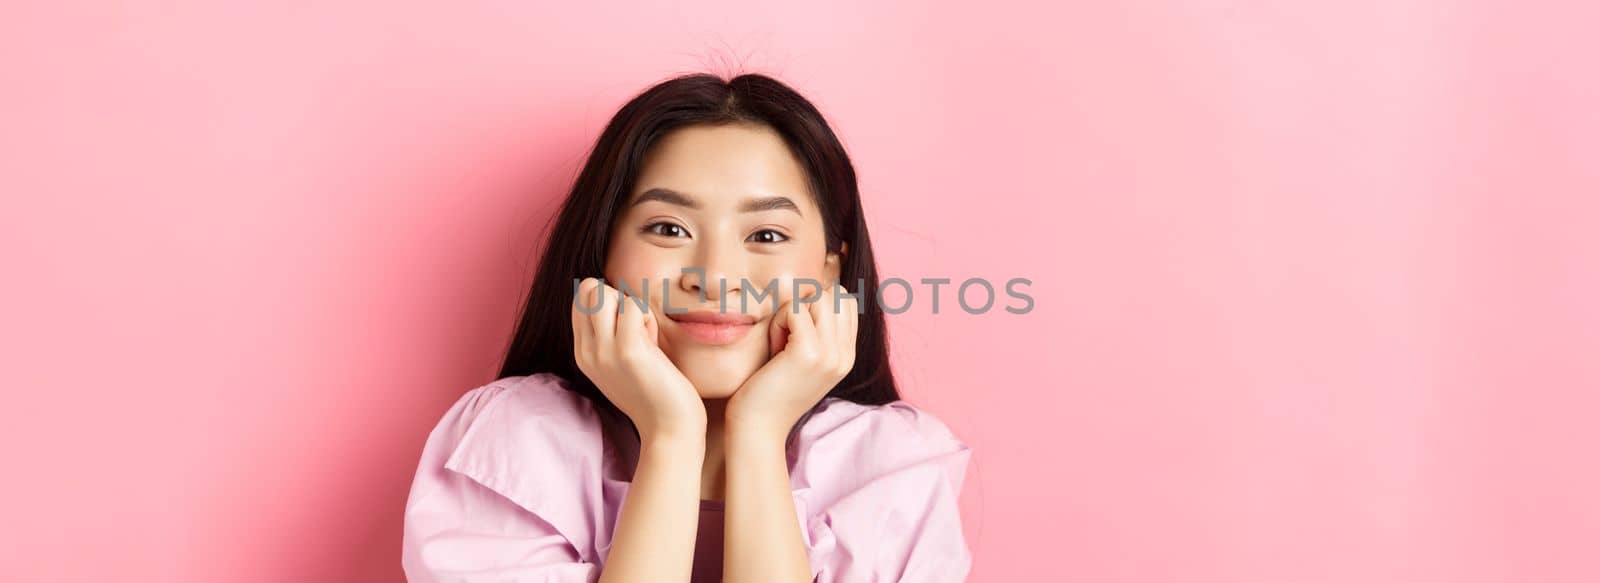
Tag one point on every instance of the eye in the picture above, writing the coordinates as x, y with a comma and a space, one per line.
769, 236
668, 230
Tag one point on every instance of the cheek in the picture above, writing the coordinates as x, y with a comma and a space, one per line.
639, 265
786, 274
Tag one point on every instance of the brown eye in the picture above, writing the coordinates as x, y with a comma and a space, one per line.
666, 229
768, 236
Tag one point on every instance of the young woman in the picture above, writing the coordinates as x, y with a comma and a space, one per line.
726, 419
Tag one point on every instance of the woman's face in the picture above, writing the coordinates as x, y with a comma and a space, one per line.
730, 200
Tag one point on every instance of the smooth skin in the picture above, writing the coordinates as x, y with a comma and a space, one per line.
713, 418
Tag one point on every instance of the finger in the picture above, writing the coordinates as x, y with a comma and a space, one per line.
652, 330
778, 329
848, 305
847, 337
605, 320
630, 321
852, 318
802, 329
582, 328
824, 319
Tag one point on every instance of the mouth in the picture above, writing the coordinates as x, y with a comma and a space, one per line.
712, 327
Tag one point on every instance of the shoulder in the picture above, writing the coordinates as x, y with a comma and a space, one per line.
878, 488
540, 395
524, 418
528, 438
845, 444
526, 405
898, 426
530, 442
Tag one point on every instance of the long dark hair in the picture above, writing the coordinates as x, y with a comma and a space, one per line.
577, 243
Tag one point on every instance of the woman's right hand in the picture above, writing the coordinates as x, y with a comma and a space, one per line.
616, 348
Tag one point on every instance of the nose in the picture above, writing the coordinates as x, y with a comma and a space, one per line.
717, 271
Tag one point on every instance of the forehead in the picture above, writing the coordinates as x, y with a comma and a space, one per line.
722, 165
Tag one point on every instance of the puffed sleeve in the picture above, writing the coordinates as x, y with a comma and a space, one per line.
468, 518
877, 490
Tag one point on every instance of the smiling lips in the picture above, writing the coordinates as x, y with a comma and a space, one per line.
712, 327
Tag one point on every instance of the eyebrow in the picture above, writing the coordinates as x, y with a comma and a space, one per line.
749, 205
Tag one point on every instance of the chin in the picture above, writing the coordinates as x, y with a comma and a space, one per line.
715, 384
718, 375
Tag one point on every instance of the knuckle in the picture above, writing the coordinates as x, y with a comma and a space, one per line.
628, 352
809, 355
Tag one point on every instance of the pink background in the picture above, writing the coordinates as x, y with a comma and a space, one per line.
1314, 281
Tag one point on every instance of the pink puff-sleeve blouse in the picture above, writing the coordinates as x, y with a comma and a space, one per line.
517, 483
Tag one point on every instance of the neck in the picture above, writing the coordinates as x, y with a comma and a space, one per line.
713, 471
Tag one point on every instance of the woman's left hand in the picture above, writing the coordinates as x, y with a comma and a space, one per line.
814, 347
